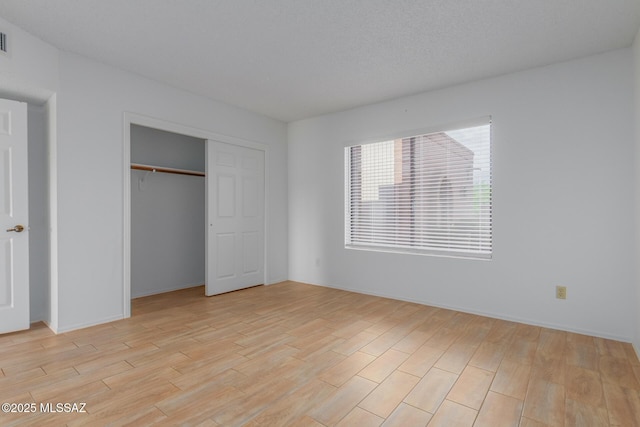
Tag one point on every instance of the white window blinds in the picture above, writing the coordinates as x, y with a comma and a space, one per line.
427, 193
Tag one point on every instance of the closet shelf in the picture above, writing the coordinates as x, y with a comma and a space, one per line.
150, 168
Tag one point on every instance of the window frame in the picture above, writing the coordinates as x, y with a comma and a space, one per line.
437, 252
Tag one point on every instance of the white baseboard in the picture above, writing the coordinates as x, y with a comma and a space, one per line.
485, 314
162, 291
73, 327
636, 348
50, 326
276, 280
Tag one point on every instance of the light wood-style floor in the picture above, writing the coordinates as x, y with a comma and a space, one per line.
296, 354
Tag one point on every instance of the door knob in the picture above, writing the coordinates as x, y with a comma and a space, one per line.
18, 228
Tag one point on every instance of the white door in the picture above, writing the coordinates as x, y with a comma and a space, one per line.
235, 212
14, 213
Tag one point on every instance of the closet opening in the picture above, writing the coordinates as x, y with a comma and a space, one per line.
167, 208
194, 210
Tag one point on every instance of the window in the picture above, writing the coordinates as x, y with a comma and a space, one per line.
427, 193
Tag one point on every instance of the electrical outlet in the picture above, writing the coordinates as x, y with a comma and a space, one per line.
561, 292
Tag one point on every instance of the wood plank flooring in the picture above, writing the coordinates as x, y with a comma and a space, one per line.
301, 355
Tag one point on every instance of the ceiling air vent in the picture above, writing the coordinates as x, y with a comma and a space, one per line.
3, 42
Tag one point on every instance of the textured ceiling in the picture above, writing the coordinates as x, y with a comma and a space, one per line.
291, 59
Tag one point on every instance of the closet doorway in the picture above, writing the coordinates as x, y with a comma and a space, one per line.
167, 211
194, 210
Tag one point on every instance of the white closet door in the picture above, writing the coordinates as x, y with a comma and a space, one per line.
235, 210
14, 213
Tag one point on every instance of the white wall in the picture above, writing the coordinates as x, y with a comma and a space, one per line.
636, 119
38, 214
563, 173
160, 148
167, 213
90, 107
30, 71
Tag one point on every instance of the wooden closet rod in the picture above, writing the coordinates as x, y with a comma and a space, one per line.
150, 168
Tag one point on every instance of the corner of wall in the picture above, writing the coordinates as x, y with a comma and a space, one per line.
52, 132
636, 115
31, 67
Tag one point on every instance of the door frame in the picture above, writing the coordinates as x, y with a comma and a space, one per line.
129, 119
47, 99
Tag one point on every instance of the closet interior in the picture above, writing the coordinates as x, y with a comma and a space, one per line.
167, 211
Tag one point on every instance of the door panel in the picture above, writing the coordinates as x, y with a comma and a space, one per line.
235, 206
6, 251
14, 212
226, 250
226, 196
252, 250
251, 198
